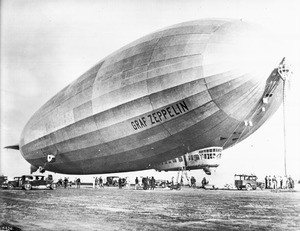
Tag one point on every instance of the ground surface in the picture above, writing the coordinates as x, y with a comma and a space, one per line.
161, 209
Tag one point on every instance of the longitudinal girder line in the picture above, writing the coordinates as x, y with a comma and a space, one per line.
254, 88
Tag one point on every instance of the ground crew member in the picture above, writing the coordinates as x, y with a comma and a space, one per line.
204, 182
101, 182
193, 182
152, 183
78, 182
136, 183
66, 181
120, 183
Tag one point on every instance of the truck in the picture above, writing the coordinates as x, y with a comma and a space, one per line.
249, 182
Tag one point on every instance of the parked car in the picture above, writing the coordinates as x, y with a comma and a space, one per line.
248, 182
28, 182
3, 179
3, 182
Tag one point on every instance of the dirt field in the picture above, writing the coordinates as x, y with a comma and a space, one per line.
161, 209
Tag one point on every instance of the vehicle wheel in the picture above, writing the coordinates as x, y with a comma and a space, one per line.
53, 186
248, 187
27, 186
10, 186
254, 187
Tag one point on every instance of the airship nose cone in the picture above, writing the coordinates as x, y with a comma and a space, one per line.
238, 60
241, 46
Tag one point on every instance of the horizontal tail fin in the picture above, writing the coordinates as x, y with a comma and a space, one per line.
16, 147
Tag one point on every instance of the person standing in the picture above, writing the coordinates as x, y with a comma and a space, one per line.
266, 182
127, 182
281, 182
120, 183
152, 183
136, 183
145, 183
96, 182
290, 183
193, 182
284, 182
148, 182
78, 182
66, 181
274, 182
101, 182
204, 182
270, 182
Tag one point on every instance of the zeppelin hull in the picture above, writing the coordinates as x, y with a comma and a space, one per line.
180, 89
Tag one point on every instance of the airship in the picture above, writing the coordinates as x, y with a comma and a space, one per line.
187, 87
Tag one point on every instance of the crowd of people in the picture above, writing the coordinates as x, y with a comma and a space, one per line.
67, 183
192, 181
147, 183
98, 182
279, 182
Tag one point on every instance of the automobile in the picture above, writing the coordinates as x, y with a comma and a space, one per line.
28, 182
3, 179
3, 182
248, 182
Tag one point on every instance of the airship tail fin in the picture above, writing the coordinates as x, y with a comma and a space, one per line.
16, 147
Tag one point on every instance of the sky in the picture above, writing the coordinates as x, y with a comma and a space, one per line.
45, 45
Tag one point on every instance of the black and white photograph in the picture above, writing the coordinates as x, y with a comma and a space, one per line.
150, 115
